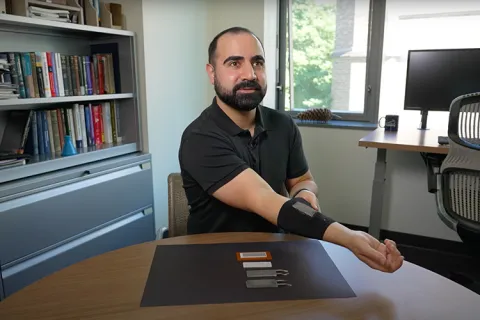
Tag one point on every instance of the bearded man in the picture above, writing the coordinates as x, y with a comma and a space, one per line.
238, 157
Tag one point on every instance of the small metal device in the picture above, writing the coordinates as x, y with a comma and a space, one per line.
266, 283
266, 273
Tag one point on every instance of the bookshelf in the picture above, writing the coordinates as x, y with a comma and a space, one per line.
74, 40
57, 210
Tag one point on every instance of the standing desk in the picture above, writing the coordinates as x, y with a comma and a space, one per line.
406, 139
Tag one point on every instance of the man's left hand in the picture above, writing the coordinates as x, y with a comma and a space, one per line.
310, 197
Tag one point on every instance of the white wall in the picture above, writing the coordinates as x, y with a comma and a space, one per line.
175, 55
172, 46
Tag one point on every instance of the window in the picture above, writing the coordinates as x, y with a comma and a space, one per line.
326, 59
422, 24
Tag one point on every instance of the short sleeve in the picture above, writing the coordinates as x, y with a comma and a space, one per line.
210, 160
297, 163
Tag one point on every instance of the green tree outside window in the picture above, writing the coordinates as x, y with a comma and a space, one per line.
313, 31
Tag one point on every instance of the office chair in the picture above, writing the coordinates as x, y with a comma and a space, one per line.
458, 195
178, 208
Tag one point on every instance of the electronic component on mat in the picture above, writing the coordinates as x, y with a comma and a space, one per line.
266, 283
266, 273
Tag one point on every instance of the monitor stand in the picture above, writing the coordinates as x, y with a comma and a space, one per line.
424, 114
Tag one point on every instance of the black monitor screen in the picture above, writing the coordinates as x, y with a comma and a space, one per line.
436, 77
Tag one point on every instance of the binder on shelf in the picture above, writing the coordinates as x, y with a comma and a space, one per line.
111, 15
91, 14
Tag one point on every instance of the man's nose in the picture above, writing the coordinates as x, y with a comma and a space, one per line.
249, 72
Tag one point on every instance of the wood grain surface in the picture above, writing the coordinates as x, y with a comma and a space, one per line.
110, 286
407, 139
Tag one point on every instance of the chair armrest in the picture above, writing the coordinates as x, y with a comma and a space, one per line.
433, 163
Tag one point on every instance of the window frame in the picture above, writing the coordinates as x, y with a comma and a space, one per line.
374, 61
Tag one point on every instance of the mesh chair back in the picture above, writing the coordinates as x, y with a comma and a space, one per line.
461, 168
178, 208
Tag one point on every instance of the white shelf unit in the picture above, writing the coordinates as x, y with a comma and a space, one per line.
33, 25
31, 103
24, 34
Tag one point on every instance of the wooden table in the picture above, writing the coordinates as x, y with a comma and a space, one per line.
406, 139
110, 286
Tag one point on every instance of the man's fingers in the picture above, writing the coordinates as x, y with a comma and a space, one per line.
372, 264
395, 262
392, 248
390, 266
312, 200
382, 249
374, 255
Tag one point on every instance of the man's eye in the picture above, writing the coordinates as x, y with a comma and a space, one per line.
233, 63
259, 64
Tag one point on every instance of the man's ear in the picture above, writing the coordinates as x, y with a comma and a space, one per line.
211, 72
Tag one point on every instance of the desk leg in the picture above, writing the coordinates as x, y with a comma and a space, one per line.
378, 188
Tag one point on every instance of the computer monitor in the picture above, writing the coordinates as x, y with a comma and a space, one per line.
436, 77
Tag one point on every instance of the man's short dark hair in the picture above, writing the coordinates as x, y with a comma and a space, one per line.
212, 48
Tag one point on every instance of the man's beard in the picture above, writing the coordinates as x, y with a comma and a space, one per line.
241, 101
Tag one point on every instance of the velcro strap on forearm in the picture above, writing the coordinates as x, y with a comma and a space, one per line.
297, 216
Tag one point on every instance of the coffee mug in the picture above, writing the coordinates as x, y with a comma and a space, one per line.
391, 122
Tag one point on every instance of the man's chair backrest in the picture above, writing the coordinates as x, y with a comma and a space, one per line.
458, 198
178, 208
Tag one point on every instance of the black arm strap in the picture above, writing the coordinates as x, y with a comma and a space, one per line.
297, 216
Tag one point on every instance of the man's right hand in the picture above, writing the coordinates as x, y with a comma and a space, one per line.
380, 256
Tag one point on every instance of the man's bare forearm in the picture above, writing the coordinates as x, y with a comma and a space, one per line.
268, 203
338, 234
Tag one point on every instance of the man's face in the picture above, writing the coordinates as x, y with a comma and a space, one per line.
238, 71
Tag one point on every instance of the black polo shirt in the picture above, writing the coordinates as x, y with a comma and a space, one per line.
213, 150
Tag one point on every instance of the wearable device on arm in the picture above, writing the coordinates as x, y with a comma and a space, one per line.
297, 216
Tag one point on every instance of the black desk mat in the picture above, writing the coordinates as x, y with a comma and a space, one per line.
210, 274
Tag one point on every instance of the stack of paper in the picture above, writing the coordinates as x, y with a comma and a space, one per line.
49, 14
5, 164
8, 89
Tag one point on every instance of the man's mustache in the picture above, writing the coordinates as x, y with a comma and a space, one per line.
247, 84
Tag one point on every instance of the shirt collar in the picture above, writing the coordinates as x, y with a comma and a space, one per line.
227, 124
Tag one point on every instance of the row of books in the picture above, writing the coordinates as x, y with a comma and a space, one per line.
53, 74
88, 125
